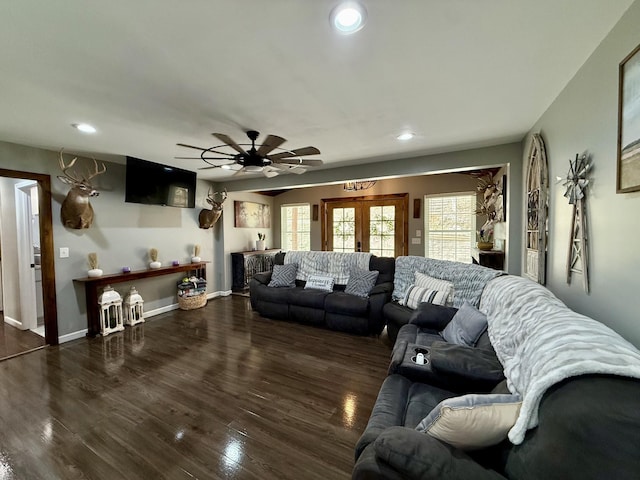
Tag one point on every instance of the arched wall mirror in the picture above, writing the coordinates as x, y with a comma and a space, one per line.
537, 209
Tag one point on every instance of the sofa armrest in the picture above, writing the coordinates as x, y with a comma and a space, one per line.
262, 277
416, 455
466, 368
385, 287
432, 317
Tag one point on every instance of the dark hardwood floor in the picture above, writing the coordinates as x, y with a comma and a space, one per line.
214, 393
14, 341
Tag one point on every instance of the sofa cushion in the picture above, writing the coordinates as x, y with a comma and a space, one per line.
431, 316
307, 298
416, 295
412, 334
361, 282
466, 326
346, 304
320, 282
284, 275
421, 399
276, 295
472, 421
424, 280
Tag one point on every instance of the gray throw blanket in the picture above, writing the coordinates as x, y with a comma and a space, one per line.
334, 264
540, 342
468, 280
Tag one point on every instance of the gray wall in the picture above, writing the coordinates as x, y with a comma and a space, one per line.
584, 117
121, 235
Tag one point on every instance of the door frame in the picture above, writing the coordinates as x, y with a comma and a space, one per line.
46, 247
392, 196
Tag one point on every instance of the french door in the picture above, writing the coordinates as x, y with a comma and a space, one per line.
376, 224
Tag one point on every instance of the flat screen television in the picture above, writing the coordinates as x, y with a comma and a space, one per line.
156, 184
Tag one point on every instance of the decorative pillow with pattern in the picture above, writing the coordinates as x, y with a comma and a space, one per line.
416, 295
320, 282
361, 282
284, 275
424, 280
472, 421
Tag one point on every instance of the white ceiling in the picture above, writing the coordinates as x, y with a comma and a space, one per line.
151, 73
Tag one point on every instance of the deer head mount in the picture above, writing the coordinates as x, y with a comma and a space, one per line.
76, 211
208, 218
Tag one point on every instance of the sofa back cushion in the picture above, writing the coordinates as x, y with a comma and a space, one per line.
589, 428
385, 265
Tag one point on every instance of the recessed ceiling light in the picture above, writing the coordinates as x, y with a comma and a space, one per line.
348, 17
406, 136
84, 127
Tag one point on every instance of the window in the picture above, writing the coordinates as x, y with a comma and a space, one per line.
450, 226
295, 227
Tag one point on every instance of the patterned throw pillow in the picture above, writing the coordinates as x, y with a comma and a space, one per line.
472, 421
361, 282
320, 282
424, 280
284, 275
416, 295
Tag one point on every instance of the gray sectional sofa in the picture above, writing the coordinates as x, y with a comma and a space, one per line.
573, 382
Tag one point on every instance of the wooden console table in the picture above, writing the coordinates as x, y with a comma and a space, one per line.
488, 258
92, 284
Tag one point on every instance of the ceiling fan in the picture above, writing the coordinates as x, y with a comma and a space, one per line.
254, 159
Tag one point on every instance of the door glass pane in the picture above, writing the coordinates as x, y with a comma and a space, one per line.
344, 227
382, 230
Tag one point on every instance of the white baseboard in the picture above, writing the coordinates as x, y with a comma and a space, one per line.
151, 313
13, 322
72, 336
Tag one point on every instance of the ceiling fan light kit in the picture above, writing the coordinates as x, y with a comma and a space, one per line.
258, 158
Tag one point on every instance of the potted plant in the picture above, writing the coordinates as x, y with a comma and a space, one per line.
260, 241
196, 254
153, 256
94, 271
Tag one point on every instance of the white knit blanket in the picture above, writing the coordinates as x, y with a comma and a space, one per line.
334, 264
540, 342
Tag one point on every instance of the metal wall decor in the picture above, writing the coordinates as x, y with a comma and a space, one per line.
576, 183
537, 210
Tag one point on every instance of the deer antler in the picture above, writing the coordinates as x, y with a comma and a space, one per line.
65, 168
96, 171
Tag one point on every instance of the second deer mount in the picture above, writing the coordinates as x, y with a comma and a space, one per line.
76, 211
208, 217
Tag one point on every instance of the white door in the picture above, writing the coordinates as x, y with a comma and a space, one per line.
26, 265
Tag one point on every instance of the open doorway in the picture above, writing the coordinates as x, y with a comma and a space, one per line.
27, 288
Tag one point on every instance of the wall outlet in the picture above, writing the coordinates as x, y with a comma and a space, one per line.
415, 241
64, 252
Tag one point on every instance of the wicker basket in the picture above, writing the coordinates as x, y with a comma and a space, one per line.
193, 302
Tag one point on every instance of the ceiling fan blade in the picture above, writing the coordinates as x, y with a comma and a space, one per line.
294, 162
270, 172
209, 168
271, 142
297, 170
298, 152
226, 139
205, 158
191, 146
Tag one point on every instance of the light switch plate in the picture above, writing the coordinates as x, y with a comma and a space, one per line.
64, 252
415, 241
418, 233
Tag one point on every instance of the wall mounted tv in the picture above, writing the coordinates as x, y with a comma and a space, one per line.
155, 184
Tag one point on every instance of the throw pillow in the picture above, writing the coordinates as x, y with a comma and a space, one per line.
416, 295
424, 280
284, 275
466, 326
472, 421
320, 282
361, 282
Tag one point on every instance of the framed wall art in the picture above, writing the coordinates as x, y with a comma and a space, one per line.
628, 177
251, 215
